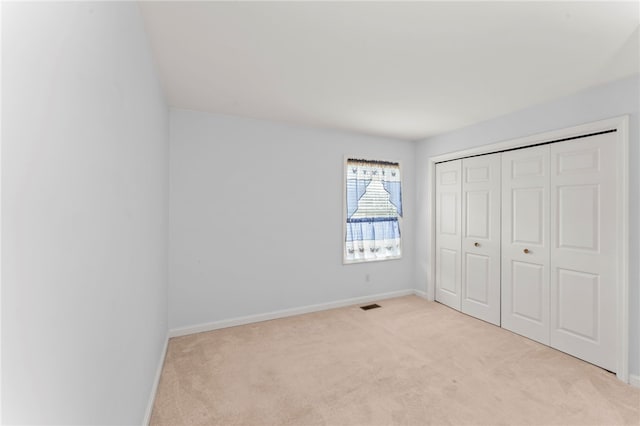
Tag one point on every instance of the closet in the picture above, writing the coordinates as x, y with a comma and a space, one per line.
526, 239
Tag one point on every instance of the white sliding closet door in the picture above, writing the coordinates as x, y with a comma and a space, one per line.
448, 232
583, 249
525, 242
481, 237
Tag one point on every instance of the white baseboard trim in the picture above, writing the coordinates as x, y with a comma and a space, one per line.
634, 380
421, 293
232, 322
156, 382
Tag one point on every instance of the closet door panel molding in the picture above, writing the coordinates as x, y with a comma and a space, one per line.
583, 249
448, 229
525, 242
481, 237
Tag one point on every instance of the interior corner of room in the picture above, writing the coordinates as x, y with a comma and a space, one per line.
173, 168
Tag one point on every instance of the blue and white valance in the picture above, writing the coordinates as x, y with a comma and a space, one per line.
373, 207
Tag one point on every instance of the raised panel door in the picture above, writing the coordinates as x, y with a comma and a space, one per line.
480, 295
448, 233
583, 249
525, 242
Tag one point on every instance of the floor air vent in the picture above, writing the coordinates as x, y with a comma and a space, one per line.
366, 308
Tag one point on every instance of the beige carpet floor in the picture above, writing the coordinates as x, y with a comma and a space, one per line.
410, 362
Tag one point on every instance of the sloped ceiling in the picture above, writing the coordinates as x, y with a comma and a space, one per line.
395, 69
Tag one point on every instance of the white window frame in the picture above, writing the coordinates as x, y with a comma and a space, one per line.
344, 208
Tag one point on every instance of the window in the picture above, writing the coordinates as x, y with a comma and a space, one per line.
373, 210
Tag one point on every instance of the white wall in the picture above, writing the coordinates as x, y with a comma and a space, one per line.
256, 218
615, 99
84, 214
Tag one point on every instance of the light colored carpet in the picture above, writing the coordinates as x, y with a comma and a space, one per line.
411, 362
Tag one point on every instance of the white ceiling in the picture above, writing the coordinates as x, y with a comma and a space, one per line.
405, 70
